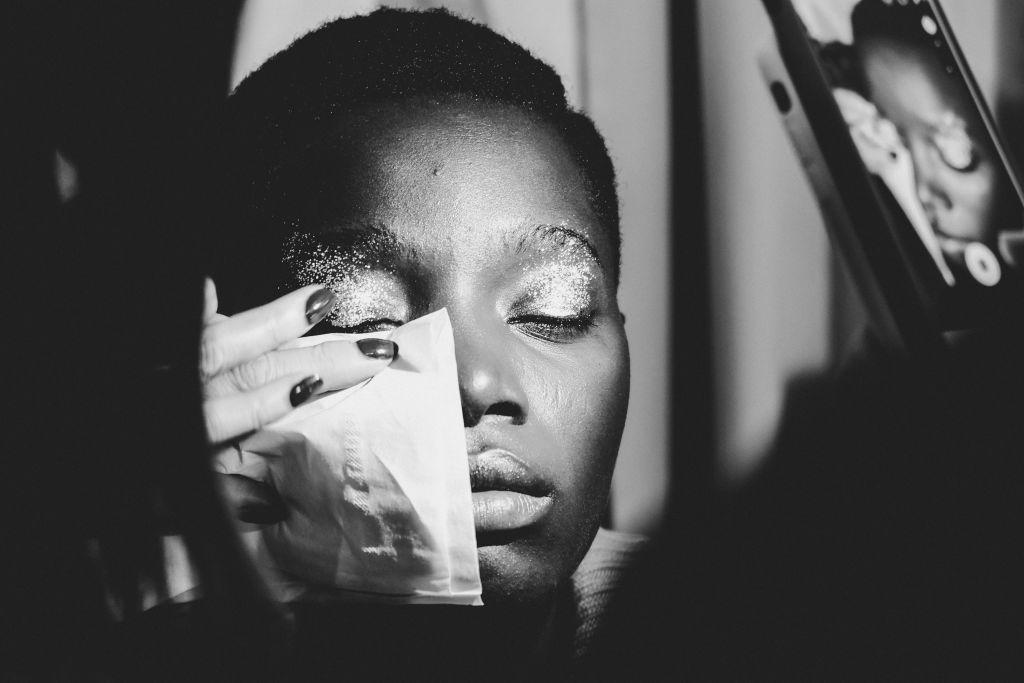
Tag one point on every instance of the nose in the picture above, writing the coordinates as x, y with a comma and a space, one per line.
489, 382
931, 195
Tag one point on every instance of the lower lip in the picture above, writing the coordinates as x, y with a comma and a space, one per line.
507, 510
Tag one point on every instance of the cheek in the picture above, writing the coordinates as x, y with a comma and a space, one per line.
972, 189
579, 401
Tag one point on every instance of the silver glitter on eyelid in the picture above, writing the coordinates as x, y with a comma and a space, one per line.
366, 291
954, 142
562, 288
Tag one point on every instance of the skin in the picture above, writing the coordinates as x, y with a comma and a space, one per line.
249, 381
460, 190
968, 204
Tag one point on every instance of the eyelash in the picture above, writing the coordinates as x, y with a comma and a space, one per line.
555, 329
376, 325
559, 330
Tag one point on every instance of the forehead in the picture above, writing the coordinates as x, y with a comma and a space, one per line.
911, 82
445, 178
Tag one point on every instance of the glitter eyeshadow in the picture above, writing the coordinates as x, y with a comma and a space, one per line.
366, 289
562, 287
368, 296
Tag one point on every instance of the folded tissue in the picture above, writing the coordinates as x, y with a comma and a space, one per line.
376, 482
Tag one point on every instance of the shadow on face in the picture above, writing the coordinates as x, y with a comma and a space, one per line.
409, 208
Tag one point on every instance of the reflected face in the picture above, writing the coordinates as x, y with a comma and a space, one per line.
959, 179
482, 210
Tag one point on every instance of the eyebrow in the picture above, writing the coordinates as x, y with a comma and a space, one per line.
537, 237
378, 243
374, 241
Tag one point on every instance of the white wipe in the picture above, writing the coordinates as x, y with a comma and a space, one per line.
376, 482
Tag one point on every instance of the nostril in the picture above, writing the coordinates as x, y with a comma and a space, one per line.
507, 409
490, 391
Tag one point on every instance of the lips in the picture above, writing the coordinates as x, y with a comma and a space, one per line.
507, 494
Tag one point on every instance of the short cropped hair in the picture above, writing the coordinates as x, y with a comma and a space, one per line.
394, 56
892, 22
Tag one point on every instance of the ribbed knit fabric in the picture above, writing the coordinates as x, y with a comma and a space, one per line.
597, 578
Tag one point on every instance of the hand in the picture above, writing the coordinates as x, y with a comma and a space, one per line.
249, 380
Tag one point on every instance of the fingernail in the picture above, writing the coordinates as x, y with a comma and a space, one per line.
319, 305
302, 391
378, 349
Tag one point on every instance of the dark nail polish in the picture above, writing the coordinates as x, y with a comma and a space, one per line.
319, 305
302, 391
379, 349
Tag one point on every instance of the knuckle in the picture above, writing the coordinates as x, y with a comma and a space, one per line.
211, 355
255, 373
279, 330
216, 386
324, 361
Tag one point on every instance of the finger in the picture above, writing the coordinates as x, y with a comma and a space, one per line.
209, 301
233, 416
211, 304
252, 333
252, 501
340, 364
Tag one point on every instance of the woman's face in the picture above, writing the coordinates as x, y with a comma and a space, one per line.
482, 210
959, 180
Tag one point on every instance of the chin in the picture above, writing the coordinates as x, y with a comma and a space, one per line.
516, 574
529, 571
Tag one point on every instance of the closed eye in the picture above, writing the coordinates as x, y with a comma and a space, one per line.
557, 329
